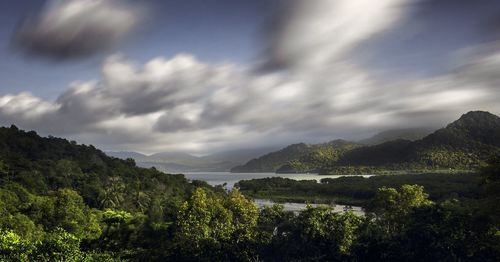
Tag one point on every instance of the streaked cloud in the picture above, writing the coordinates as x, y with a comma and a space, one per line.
182, 103
76, 28
313, 33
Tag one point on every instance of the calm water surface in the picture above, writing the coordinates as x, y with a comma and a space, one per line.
296, 207
219, 178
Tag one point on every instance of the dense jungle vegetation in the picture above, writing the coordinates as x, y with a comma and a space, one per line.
60, 201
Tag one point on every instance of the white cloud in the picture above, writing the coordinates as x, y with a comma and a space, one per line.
181, 103
321, 32
76, 28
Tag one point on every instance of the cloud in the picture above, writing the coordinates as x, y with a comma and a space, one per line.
314, 33
182, 103
67, 29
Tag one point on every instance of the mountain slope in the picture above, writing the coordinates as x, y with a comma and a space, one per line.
43, 165
272, 161
296, 158
411, 134
463, 144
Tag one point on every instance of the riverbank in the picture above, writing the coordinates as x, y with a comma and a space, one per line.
357, 190
228, 179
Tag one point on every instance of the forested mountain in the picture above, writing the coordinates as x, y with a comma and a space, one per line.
45, 164
297, 157
463, 144
411, 134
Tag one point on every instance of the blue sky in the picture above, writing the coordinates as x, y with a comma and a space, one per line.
220, 30
188, 75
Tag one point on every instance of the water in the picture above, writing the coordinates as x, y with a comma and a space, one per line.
296, 207
219, 178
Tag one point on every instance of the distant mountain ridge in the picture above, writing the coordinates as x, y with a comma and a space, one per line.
126, 154
178, 162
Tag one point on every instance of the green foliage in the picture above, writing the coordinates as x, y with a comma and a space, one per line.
272, 161
332, 231
59, 245
63, 202
298, 158
464, 144
13, 248
491, 176
393, 206
358, 190
209, 225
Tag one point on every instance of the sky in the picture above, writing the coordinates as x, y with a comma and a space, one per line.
201, 76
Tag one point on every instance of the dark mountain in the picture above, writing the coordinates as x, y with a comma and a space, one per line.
239, 156
463, 144
411, 134
172, 157
126, 154
272, 161
42, 165
296, 158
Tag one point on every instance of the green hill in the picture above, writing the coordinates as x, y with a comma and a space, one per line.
297, 158
463, 144
42, 165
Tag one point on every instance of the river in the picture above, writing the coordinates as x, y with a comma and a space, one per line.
220, 178
296, 207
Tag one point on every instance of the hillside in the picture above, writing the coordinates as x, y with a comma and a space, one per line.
411, 134
296, 158
463, 144
42, 165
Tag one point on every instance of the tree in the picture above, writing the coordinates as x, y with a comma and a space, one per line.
244, 223
245, 215
491, 176
59, 245
203, 225
391, 206
320, 234
13, 248
113, 193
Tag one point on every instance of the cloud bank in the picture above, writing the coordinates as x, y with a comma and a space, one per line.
76, 28
182, 103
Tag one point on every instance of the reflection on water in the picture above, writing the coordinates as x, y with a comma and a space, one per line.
220, 178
